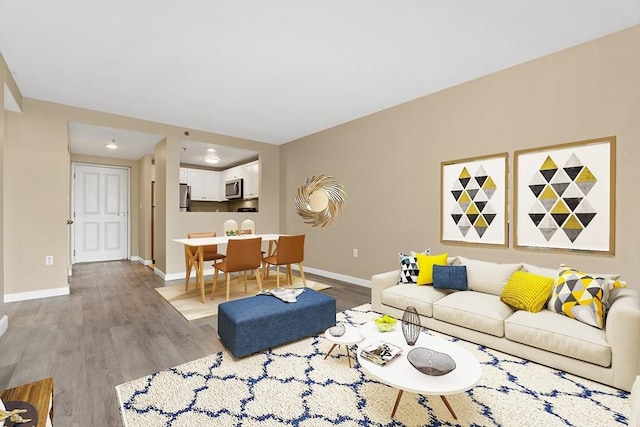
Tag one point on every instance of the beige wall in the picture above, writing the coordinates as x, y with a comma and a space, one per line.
389, 162
37, 162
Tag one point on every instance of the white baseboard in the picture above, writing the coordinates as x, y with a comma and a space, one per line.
177, 276
4, 324
141, 260
44, 293
336, 276
328, 274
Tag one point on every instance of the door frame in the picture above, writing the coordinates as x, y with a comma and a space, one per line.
72, 236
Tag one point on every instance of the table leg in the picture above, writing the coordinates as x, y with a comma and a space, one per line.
200, 271
348, 355
330, 350
446, 402
393, 413
187, 266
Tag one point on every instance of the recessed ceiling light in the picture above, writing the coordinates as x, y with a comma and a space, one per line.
212, 160
112, 145
211, 150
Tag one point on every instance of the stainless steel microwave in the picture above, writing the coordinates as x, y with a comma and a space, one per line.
233, 189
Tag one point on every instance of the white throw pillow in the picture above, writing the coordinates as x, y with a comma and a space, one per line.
540, 271
488, 277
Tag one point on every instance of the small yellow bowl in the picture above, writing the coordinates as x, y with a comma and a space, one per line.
386, 326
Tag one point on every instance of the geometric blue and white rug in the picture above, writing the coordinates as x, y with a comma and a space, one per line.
294, 385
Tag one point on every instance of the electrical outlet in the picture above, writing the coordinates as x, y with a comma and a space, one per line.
355, 253
48, 260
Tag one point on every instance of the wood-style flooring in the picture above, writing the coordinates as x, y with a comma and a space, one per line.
112, 328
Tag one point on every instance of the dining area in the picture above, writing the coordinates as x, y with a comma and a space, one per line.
240, 255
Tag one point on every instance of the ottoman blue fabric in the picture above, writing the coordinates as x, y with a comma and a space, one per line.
256, 323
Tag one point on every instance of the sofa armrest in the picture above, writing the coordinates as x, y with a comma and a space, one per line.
623, 330
380, 282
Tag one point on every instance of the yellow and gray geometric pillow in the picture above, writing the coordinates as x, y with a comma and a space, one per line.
582, 296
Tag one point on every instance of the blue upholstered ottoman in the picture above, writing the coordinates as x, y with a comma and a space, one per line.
256, 323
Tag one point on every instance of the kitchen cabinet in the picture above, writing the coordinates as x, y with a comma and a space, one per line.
205, 185
251, 175
184, 176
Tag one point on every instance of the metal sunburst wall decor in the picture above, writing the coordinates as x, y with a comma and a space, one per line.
320, 200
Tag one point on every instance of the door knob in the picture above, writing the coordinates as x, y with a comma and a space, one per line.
69, 222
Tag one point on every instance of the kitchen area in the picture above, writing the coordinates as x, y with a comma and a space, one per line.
232, 185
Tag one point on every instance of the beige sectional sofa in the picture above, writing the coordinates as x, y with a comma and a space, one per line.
610, 356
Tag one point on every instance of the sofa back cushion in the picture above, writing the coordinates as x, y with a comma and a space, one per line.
487, 277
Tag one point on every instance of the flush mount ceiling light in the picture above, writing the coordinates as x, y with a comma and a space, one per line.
211, 150
112, 145
212, 160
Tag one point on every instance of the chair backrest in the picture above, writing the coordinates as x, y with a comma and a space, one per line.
248, 224
208, 250
244, 232
290, 249
244, 254
230, 225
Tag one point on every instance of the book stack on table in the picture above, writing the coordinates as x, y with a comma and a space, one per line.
380, 352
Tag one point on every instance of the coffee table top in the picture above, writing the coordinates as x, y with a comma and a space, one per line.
399, 373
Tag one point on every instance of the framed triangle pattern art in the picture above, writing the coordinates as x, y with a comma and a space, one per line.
473, 200
565, 196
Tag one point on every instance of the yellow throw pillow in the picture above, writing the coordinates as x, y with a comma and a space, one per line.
527, 291
425, 265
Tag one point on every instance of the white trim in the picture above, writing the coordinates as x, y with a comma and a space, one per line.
161, 274
327, 274
141, 260
336, 276
45, 293
4, 324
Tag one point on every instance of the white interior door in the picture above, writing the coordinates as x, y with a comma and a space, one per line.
101, 213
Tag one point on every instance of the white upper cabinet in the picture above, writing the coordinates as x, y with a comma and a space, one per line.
205, 185
251, 175
184, 176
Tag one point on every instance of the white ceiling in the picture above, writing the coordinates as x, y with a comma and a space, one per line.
274, 71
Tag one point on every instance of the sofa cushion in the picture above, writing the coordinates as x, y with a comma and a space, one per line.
527, 291
559, 334
452, 277
421, 297
540, 271
474, 310
426, 263
487, 277
582, 296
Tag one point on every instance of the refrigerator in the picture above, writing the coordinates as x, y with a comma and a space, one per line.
185, 198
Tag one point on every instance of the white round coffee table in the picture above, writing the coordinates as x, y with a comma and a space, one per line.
400, 374
351, 336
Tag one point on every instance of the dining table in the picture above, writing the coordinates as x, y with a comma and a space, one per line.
194, 259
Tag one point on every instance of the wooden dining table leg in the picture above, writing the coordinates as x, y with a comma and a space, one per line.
200, 271
188, 263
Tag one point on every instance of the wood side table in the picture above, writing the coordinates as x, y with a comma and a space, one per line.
39, 394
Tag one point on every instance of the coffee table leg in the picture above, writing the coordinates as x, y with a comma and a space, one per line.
446, 402
329, 352
348, 356
393, 413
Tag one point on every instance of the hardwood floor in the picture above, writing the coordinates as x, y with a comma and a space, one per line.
111, 329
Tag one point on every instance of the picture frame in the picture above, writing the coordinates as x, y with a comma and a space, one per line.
565, 197
473, 201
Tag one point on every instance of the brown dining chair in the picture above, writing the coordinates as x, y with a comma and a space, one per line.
242, 255
290, 250
210, 252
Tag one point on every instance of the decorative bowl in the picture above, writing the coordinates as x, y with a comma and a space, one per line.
431, 362
385, 323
